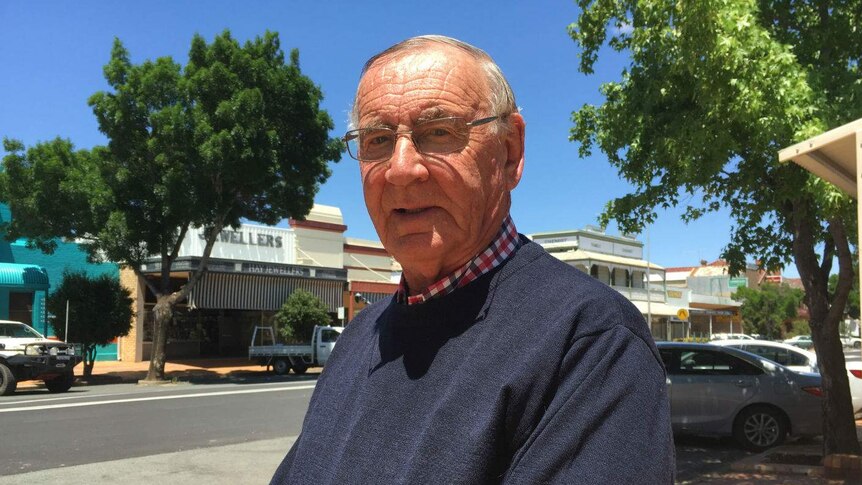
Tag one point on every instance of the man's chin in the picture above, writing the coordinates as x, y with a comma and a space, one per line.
417, 247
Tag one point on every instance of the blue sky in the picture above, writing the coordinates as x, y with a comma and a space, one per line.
52, 53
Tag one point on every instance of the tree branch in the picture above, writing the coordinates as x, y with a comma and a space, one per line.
838, 233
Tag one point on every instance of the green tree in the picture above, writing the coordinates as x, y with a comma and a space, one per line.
100, 310
766, 309
301, 312
235, 134
713, 90
852, 308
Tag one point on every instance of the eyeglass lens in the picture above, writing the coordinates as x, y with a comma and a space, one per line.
445, 135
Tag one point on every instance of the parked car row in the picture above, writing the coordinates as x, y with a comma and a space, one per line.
724, 391
801, 341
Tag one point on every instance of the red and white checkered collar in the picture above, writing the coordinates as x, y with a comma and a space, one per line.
500, 249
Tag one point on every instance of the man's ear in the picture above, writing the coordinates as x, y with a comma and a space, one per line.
514, 166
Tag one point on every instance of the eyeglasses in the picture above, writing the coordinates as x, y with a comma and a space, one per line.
431, 137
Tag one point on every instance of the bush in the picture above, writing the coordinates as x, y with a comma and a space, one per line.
798, 327
299, 315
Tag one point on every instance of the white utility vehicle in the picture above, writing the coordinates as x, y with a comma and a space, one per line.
26, 355
299, 357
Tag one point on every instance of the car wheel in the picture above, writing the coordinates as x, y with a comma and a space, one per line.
758, 428
300, 368
61, 383
281, 366
8, 383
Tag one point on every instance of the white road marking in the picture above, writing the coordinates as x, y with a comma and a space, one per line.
154, 398
88, 394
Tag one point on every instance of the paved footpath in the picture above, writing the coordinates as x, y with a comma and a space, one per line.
247, 463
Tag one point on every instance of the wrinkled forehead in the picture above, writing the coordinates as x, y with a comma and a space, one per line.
404, 84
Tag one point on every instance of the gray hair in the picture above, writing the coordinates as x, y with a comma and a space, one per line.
502, 98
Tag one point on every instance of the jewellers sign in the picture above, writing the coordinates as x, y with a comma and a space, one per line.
248, 243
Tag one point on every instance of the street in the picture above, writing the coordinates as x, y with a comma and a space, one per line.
113, 422
193, 433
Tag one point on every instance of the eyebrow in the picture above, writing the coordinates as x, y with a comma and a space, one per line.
433, 114
374, 122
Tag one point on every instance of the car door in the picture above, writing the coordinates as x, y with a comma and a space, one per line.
708, 387
326, 344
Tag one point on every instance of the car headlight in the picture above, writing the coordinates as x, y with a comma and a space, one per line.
70, 350
34, 350
52, 350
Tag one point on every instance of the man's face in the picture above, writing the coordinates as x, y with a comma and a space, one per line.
435, 212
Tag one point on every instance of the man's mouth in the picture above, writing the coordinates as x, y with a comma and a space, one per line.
402, 210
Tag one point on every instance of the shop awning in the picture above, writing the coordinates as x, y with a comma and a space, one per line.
253, 292
593, 257
661, 309
23, 276
832, 156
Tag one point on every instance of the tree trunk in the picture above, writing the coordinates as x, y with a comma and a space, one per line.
167, 300
89, 360
162, 313
839, 428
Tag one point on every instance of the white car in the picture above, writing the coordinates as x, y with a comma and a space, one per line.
851, 342
731, 336
801, 341
799, 360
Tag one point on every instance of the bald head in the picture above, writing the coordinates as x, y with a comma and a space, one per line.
501, 99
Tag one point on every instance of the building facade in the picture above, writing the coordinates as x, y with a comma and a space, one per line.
27, 277
618, 262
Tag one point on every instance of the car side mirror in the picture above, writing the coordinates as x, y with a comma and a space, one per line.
2, 346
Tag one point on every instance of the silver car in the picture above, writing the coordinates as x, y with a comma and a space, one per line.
723, 391
795, 358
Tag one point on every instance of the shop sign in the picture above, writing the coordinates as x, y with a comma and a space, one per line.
247, 243
555, 240
269, 269
596, 245
301, 271
628, 250
737, 282
674, 294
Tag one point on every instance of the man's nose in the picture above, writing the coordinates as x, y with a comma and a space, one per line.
406, 165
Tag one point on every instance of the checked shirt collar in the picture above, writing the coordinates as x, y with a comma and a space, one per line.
503, 246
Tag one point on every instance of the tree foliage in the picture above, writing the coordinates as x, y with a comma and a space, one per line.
852, 308
237, 133
713, 90
100, 310
765, 310
299, 315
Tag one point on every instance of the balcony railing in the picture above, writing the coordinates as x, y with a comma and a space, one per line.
655, 293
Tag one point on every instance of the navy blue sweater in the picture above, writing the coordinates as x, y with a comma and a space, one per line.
533, 373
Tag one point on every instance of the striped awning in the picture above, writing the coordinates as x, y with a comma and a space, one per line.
23, 276
254, 292
375, 297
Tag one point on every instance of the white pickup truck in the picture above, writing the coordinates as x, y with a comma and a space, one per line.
27, 355
283, 357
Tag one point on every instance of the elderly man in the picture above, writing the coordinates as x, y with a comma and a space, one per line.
494, 362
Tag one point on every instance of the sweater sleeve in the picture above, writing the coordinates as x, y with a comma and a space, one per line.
607, 422
283, 471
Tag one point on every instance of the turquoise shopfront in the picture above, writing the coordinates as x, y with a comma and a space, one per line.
23, 291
